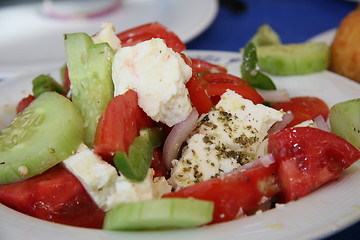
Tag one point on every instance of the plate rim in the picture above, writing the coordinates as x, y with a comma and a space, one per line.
326, 230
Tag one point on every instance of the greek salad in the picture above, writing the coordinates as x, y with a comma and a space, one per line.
140, 136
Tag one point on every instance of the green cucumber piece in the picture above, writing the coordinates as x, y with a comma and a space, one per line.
294, 59
136, 165
345, 121
265, 36
159, 214
47, 132
92, 88
45, 83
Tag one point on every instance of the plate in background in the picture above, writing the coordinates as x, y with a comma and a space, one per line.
30, 39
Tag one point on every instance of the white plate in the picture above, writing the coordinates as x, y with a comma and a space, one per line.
327, 36
329, 209
29, 39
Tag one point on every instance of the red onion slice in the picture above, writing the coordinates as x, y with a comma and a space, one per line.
274, 96
177, 136
321, 123
286, 119
265, 161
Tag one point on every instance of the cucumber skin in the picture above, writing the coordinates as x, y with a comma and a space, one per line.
159, 214
345, 121
40, 147
265, 36
294, 59
90, 72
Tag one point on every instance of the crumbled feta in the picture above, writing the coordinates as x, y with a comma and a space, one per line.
105, 187
225, 138
128, 191
97, 176
107, 34
158, 75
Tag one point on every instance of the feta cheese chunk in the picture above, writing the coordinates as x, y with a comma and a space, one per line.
105, 187
97, 176
158, 75
107, 34
128, 191
225, 138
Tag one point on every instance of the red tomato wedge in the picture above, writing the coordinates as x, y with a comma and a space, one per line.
66, 79
120, 125
198, 96
202, 66
217, 89
56, 196
307, 158
24, 103
304, 108
148, 31
225, 78
158, 164
238, 192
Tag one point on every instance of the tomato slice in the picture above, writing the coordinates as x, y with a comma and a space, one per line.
120, 125
217, 89
148, 31
55, 195
158, 164
308, 158
304, 108
238, 192
66, 79
225, 78
198, 96
202, 66
24, 103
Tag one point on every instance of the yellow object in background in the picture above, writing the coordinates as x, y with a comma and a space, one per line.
345, 49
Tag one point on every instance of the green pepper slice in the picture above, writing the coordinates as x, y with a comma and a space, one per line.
136, 164
250, 73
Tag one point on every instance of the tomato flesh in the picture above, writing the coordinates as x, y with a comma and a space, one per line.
225, 78
198, 96
148, 31
304, 108
24, 103
308, 158
120, 125
66, 79
202, 66
56, 196
217, 89
236, 193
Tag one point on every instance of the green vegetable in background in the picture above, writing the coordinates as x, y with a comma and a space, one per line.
265, 36
136, 164
249, 70
345, 121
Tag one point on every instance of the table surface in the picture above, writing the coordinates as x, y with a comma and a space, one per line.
294, 20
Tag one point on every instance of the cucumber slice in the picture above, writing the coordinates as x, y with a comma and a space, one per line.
159, 214
89, 67
294, 59
265, 36
345, 121
48, 131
